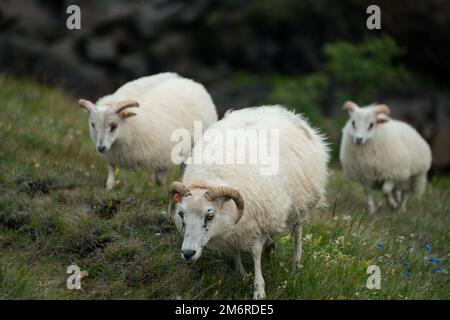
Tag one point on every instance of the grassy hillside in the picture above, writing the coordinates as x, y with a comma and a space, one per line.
54, 212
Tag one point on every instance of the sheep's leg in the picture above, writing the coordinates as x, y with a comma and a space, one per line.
238, 263
160, 176
398, 196
371, 205
298, 244
404, 201
388, 186
259, 290
111, 181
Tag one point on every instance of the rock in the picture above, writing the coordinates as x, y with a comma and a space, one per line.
150, 18
441, 147
171, 52
101, 49
29, 17
134, 65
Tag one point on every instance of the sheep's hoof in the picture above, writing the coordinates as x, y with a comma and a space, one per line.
259, 294
392, 204
110, 185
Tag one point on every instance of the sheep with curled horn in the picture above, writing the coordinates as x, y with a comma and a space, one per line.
235, 208
376, 149
132, 127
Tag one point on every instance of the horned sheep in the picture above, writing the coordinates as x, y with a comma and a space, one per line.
376, 149
132, 127
263, 206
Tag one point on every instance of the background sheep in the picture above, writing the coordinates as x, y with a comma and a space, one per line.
264, 206
166, 102
378, 149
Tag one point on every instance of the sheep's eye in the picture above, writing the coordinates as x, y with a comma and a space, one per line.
353, 124
113, 126
181, 214
209, 217
371, 125
92, 125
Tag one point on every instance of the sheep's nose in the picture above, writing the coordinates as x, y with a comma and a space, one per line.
101, 149
359, 140
188, 254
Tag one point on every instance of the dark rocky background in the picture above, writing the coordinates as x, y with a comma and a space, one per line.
247, 53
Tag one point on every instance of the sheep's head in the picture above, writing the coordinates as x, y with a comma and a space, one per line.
363, 122
202, 213
105, 121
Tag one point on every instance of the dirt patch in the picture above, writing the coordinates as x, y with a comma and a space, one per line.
105, 208
14, 218
141, 274
86, 242
34, 186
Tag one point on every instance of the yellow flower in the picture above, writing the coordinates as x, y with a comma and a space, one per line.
116, 172
286, 238
117, 183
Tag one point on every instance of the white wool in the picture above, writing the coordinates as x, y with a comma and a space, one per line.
273, 203
397, 153
166, 102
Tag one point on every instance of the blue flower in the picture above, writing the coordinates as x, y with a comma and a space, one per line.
435, 260
406, 264
428, 247
408, 274
380, 245
440, 268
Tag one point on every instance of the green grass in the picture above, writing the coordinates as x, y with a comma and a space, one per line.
54, 212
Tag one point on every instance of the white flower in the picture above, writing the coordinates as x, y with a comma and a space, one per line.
308, 237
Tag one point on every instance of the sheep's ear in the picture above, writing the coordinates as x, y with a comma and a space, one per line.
86, 105
382, 118
350, 106
127, 114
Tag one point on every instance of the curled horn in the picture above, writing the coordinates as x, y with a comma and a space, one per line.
176, 188
214, 193
86, 104
350, 106
381, 108
122, 105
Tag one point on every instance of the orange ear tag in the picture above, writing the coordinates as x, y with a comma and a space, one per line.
125, 114
177, 197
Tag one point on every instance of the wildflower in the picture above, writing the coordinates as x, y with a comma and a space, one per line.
434, 260
308, 237
428, 247
408, 274
380, 245
439, 268
347, 217
406, 264
286, 238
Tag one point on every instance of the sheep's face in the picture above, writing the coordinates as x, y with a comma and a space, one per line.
104, 127
362, 125
363, 122
200, 220
105, 121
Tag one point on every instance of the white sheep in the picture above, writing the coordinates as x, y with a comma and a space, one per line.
376, 149
264, 206
142, 137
